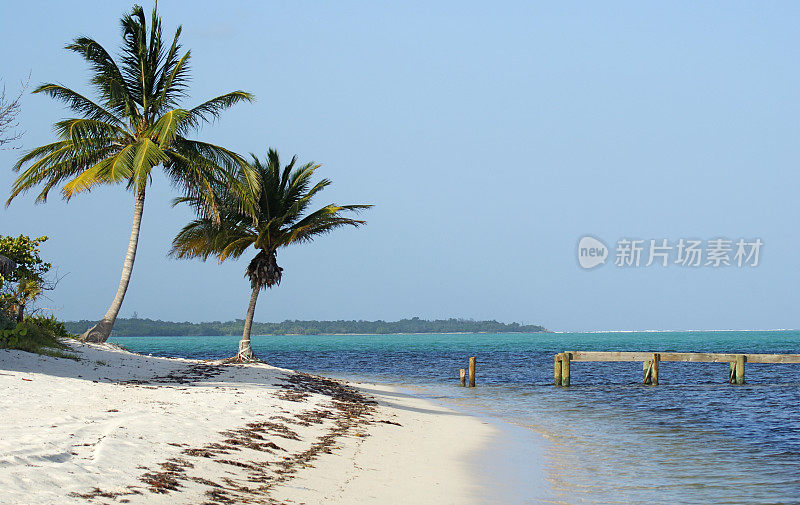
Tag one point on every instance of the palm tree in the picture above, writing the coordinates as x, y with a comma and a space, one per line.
136, 127
280, 220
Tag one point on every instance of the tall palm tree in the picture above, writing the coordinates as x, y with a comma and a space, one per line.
136, 126
280, 220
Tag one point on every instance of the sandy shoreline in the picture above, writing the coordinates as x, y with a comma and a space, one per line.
118, 427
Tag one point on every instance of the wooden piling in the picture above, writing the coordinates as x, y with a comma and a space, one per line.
557, 370
740, 359
732, 372
472, 361
654, 374
565, 358
463, 377
647, 370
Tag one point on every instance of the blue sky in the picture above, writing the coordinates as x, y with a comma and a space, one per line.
489, 136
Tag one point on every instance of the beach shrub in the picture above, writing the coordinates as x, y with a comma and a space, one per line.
11, 336
51, 325
39, 335
5, 321
26, 280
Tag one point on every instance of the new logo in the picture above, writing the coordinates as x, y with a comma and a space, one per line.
591, 252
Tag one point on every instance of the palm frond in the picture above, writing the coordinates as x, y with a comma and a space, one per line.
195, 240
136, 66
165, 129
174, 77
78, 129
57, 162
107, 79
79, 103
210, 110
147, 155
107, 171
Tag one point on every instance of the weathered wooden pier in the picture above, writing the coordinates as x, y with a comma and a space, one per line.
650, 362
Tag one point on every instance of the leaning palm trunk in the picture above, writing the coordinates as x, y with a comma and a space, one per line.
245, 350
102, 330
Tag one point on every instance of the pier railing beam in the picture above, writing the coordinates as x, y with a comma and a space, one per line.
565, 359
472, 361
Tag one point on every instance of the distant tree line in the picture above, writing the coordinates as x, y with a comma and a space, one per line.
135, 327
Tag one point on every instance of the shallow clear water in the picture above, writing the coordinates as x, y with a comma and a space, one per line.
692, 439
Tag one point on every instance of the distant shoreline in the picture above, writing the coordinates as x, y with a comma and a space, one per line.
349, 334
137, 327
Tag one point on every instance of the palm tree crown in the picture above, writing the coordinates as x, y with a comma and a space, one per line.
136, 126
281, 219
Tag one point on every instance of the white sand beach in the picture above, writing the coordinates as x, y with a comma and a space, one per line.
118, 427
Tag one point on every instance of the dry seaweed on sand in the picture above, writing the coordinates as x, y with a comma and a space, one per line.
245, 479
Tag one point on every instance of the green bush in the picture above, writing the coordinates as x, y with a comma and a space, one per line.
6, 323
50, 325
36, 334
11, 337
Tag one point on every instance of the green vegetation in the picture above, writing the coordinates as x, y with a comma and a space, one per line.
149, 327
136, 126
51, 326
281, 219
35, 334
22, 281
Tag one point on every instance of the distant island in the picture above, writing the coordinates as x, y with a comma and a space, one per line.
136, 327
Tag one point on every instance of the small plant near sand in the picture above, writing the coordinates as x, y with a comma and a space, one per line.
51, 325
136, 126
282, 218
32, 336
10, 337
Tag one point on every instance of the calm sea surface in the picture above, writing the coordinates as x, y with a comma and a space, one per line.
692, 439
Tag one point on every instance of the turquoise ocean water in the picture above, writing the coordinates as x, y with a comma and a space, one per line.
692, 439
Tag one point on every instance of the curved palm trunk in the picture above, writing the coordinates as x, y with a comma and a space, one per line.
101, 331
245, 351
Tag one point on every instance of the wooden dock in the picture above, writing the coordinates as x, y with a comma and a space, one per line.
650, 362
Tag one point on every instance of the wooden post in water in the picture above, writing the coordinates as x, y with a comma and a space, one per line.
463, 377
647, 370
565, 357
472, 372
740, 359
654, 371
557, 370
732, 372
